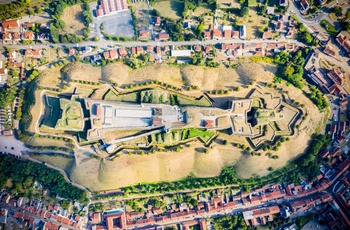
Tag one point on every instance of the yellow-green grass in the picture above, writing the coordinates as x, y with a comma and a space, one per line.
72, 117
56, 160
171, 9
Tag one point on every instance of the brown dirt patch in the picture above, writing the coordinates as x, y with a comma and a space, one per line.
73, 17
41, 141
151, 168
81, 71
51, 78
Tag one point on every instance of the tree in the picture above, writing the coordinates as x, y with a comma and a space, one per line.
59, 24
15, 73
347, 14
244, 11
337, 10
65, 204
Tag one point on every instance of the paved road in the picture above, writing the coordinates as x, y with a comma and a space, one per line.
314, 24
106, 44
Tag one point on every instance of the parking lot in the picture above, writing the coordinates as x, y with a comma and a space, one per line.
119, 24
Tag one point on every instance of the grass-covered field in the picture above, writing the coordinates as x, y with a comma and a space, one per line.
176, 136
171, 9
72, 116
157, 96
331, 30
56, 160
129, 97
83, 92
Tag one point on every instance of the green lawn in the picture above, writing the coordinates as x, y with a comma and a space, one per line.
331, 30
129, 97
84, 92
203, 101
202, 133
72, 116
171, 9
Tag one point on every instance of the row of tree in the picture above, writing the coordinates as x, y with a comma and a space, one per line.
23, 174
7, 96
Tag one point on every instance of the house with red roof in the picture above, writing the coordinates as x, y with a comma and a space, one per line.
217, 34
50, 226
163, 36
266, 35
343, 39
143, 34
197, 48
122, 52
139, 50
10, 24
227, 34
6, 199
96, 217
71, 51
115, 221
329, 50
324, 153
235, 34
28, 35
157, 21
206, 34
7, 36
336, 75
16, 36
335, 89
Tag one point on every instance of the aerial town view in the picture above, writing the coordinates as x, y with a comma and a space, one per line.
175, 114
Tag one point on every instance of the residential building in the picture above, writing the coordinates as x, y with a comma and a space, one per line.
266, 34
107, 7
235, 34
343, 40
71, 51
243, 32
329, 50
163, 36
260, 215
7, 36
336, 75
122, 52
10, 24
115, 221
28, 35
270, 10
180, 53
283, 2
217, 34
157, 21
143, 34
304, 5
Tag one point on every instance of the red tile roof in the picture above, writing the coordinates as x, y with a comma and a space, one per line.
217, 33
227, 33
163, 36
8, 24
209, 123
